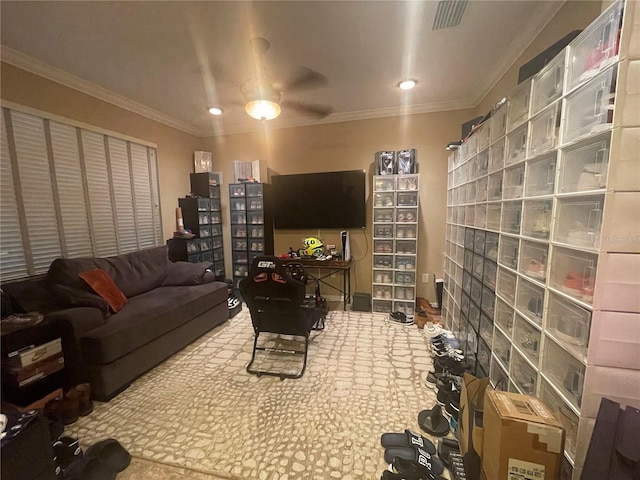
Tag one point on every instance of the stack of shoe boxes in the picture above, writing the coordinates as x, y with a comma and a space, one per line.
563, 194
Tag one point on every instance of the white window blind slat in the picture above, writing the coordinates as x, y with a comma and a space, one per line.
143, 199
121, 176
66, 157
37, 192
12, 260
104, 228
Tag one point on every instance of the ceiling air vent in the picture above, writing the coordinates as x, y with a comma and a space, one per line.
449, 14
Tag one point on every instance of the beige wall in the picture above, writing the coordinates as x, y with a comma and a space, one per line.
351, 146
175, 148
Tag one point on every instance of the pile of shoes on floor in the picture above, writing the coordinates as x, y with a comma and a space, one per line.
412, 456
102, 460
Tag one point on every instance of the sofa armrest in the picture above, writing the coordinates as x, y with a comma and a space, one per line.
71, 297
81, 319
187, 274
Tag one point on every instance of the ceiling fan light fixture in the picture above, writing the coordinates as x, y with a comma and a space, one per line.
262, 109
215, 111
407, 84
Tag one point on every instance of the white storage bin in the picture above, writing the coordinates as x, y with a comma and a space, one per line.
470, 192
483, 162
564, 371
595, 48
493, 216
405, 307
498, 122
470, 215
494, 188
484, 135
541, 176
403, 293
406, 246
504, 317
480, 216
545, 129
407, 215
484, 358
527, 338
383, 199
383, 292
499, 378
383, 246
478, 241
473, 167
486, 329
407, 199
569, 324
481, 189
405, 262
615, 339
491, 246
547, 84
460, 215
584, 165
407, 182
513, 182
501, 348
382, 261
383, 215
384, 183
530, 301
496, 156
488, 301
384, 276
407, 231
574, 272
509, 252
578, 221
533, 260
489, 274
617, 384
518, 101
385, 231
589, 110
506, 287
523, 374
537, 219
618, 283
517, 145
382, 306
511, 217
472, 145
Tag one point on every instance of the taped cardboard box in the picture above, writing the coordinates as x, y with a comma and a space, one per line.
522, 438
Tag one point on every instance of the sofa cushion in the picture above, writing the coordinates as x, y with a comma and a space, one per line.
148, 316
32, 295
134, 273
103, 285
185, 273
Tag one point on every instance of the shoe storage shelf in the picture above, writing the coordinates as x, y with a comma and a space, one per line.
395, 242
203, 216
559, 210
251, 226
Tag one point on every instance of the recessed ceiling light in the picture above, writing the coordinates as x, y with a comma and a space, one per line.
407, 84
215, 111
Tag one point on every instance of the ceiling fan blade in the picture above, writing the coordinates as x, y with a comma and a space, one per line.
304, 78
319, 111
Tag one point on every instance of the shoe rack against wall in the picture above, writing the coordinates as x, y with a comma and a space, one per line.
395, 242
203, 216
562, 193
251, 226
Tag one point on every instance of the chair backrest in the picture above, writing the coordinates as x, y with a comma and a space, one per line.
274, 298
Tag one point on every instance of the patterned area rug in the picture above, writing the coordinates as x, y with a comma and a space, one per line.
201, 410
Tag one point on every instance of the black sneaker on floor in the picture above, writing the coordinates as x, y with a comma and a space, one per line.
448, 388
452, 408
400, 318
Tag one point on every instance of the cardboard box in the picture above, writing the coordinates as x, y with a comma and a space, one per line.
31, 355
522, 438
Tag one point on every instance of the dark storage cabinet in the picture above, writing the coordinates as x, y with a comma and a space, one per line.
251, 226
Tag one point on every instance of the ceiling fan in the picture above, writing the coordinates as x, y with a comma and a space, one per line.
265, 98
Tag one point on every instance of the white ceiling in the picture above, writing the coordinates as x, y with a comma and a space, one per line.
172, 60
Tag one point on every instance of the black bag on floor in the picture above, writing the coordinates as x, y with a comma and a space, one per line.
470, 423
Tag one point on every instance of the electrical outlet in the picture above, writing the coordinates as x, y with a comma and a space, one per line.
425, 278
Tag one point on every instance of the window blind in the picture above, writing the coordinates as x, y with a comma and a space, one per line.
71, 192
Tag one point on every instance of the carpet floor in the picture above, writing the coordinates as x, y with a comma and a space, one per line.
202, 411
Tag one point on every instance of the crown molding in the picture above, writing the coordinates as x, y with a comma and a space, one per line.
32, 65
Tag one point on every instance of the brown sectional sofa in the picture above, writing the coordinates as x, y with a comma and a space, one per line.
168, 306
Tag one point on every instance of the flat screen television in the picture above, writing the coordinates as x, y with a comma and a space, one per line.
319, 200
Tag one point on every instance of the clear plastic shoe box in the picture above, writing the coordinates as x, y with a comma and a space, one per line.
517, 145
513, 183
491, 246
545, 130
504, 317
564, 371
484, 135
533, 260
499, 378
541, 176
478, 241
537, 219
527, 338
578, 221
509, 248
496, 156
501, 348
511, 217
569, 324
523, 374
498, 123
584, 165
518, 102
548, 83
530, 301
493, 216
481, 189
574, 272
486, 329
506, 287
494, 187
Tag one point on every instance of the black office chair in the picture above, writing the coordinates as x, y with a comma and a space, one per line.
276, 302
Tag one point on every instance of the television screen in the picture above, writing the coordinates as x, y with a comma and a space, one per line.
319, 200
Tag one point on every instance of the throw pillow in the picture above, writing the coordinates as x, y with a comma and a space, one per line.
103, 285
